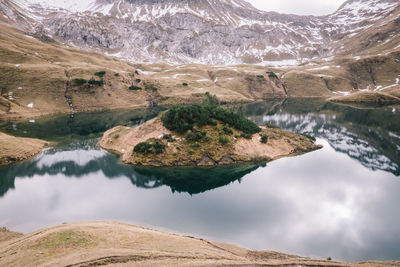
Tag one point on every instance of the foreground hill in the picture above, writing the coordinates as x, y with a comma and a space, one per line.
120, 244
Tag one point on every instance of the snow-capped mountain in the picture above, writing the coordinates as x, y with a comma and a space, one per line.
205, 31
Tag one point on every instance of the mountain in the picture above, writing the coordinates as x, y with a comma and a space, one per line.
51, 51
208, 31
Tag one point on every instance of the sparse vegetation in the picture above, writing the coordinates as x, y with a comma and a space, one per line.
272, 75
185, 84
169, 137
183, 118
151, 146
79, 81
95, 82
194, 136
135, 88
312, 138
116, 74
149, 86
100, 73
223, 140
260, 76
211, 99
138, 80
227, 130
246, 136
271, 126
68, 239
329, 258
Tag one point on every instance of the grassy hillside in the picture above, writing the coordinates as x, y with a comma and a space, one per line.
39, 77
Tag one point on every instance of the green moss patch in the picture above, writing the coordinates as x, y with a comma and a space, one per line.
68, 239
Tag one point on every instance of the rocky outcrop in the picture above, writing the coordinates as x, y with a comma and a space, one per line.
209, 31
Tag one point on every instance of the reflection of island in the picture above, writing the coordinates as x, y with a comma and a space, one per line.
198, 180
369, 135
79, 162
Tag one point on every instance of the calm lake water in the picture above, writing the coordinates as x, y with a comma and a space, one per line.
341, 201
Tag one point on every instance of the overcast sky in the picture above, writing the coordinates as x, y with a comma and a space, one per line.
300, 7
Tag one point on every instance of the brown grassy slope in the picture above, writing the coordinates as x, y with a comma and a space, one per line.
35, 72
120, 244
368, 97
42, 73
6, 234
14, 149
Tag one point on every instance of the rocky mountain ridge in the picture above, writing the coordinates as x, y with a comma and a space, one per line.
208, 31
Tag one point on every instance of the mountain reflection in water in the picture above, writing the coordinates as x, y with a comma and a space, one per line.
370, 135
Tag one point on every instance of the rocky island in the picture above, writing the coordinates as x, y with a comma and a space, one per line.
203, 135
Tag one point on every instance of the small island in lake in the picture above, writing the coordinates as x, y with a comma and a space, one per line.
203, 135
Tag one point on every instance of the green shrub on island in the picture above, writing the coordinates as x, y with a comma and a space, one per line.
223, 140
260, 76
100, 73
116, 74
79, 81
169, 137
312, 138
271, 126
138, 80
183, 118
194, 136
151, 146
246, 136
264, 139
185, 84
227, 130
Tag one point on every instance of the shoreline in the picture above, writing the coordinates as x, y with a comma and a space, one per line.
16, 149
122, 244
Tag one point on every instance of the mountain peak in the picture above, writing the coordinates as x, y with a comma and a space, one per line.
210, 31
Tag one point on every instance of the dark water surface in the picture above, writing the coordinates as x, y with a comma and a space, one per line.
341, 201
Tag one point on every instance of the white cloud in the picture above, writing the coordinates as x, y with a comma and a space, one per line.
299, 7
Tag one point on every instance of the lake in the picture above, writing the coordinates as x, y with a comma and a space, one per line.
340, 201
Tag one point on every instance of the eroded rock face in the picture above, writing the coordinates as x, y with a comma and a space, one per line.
211, 152
209, 31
